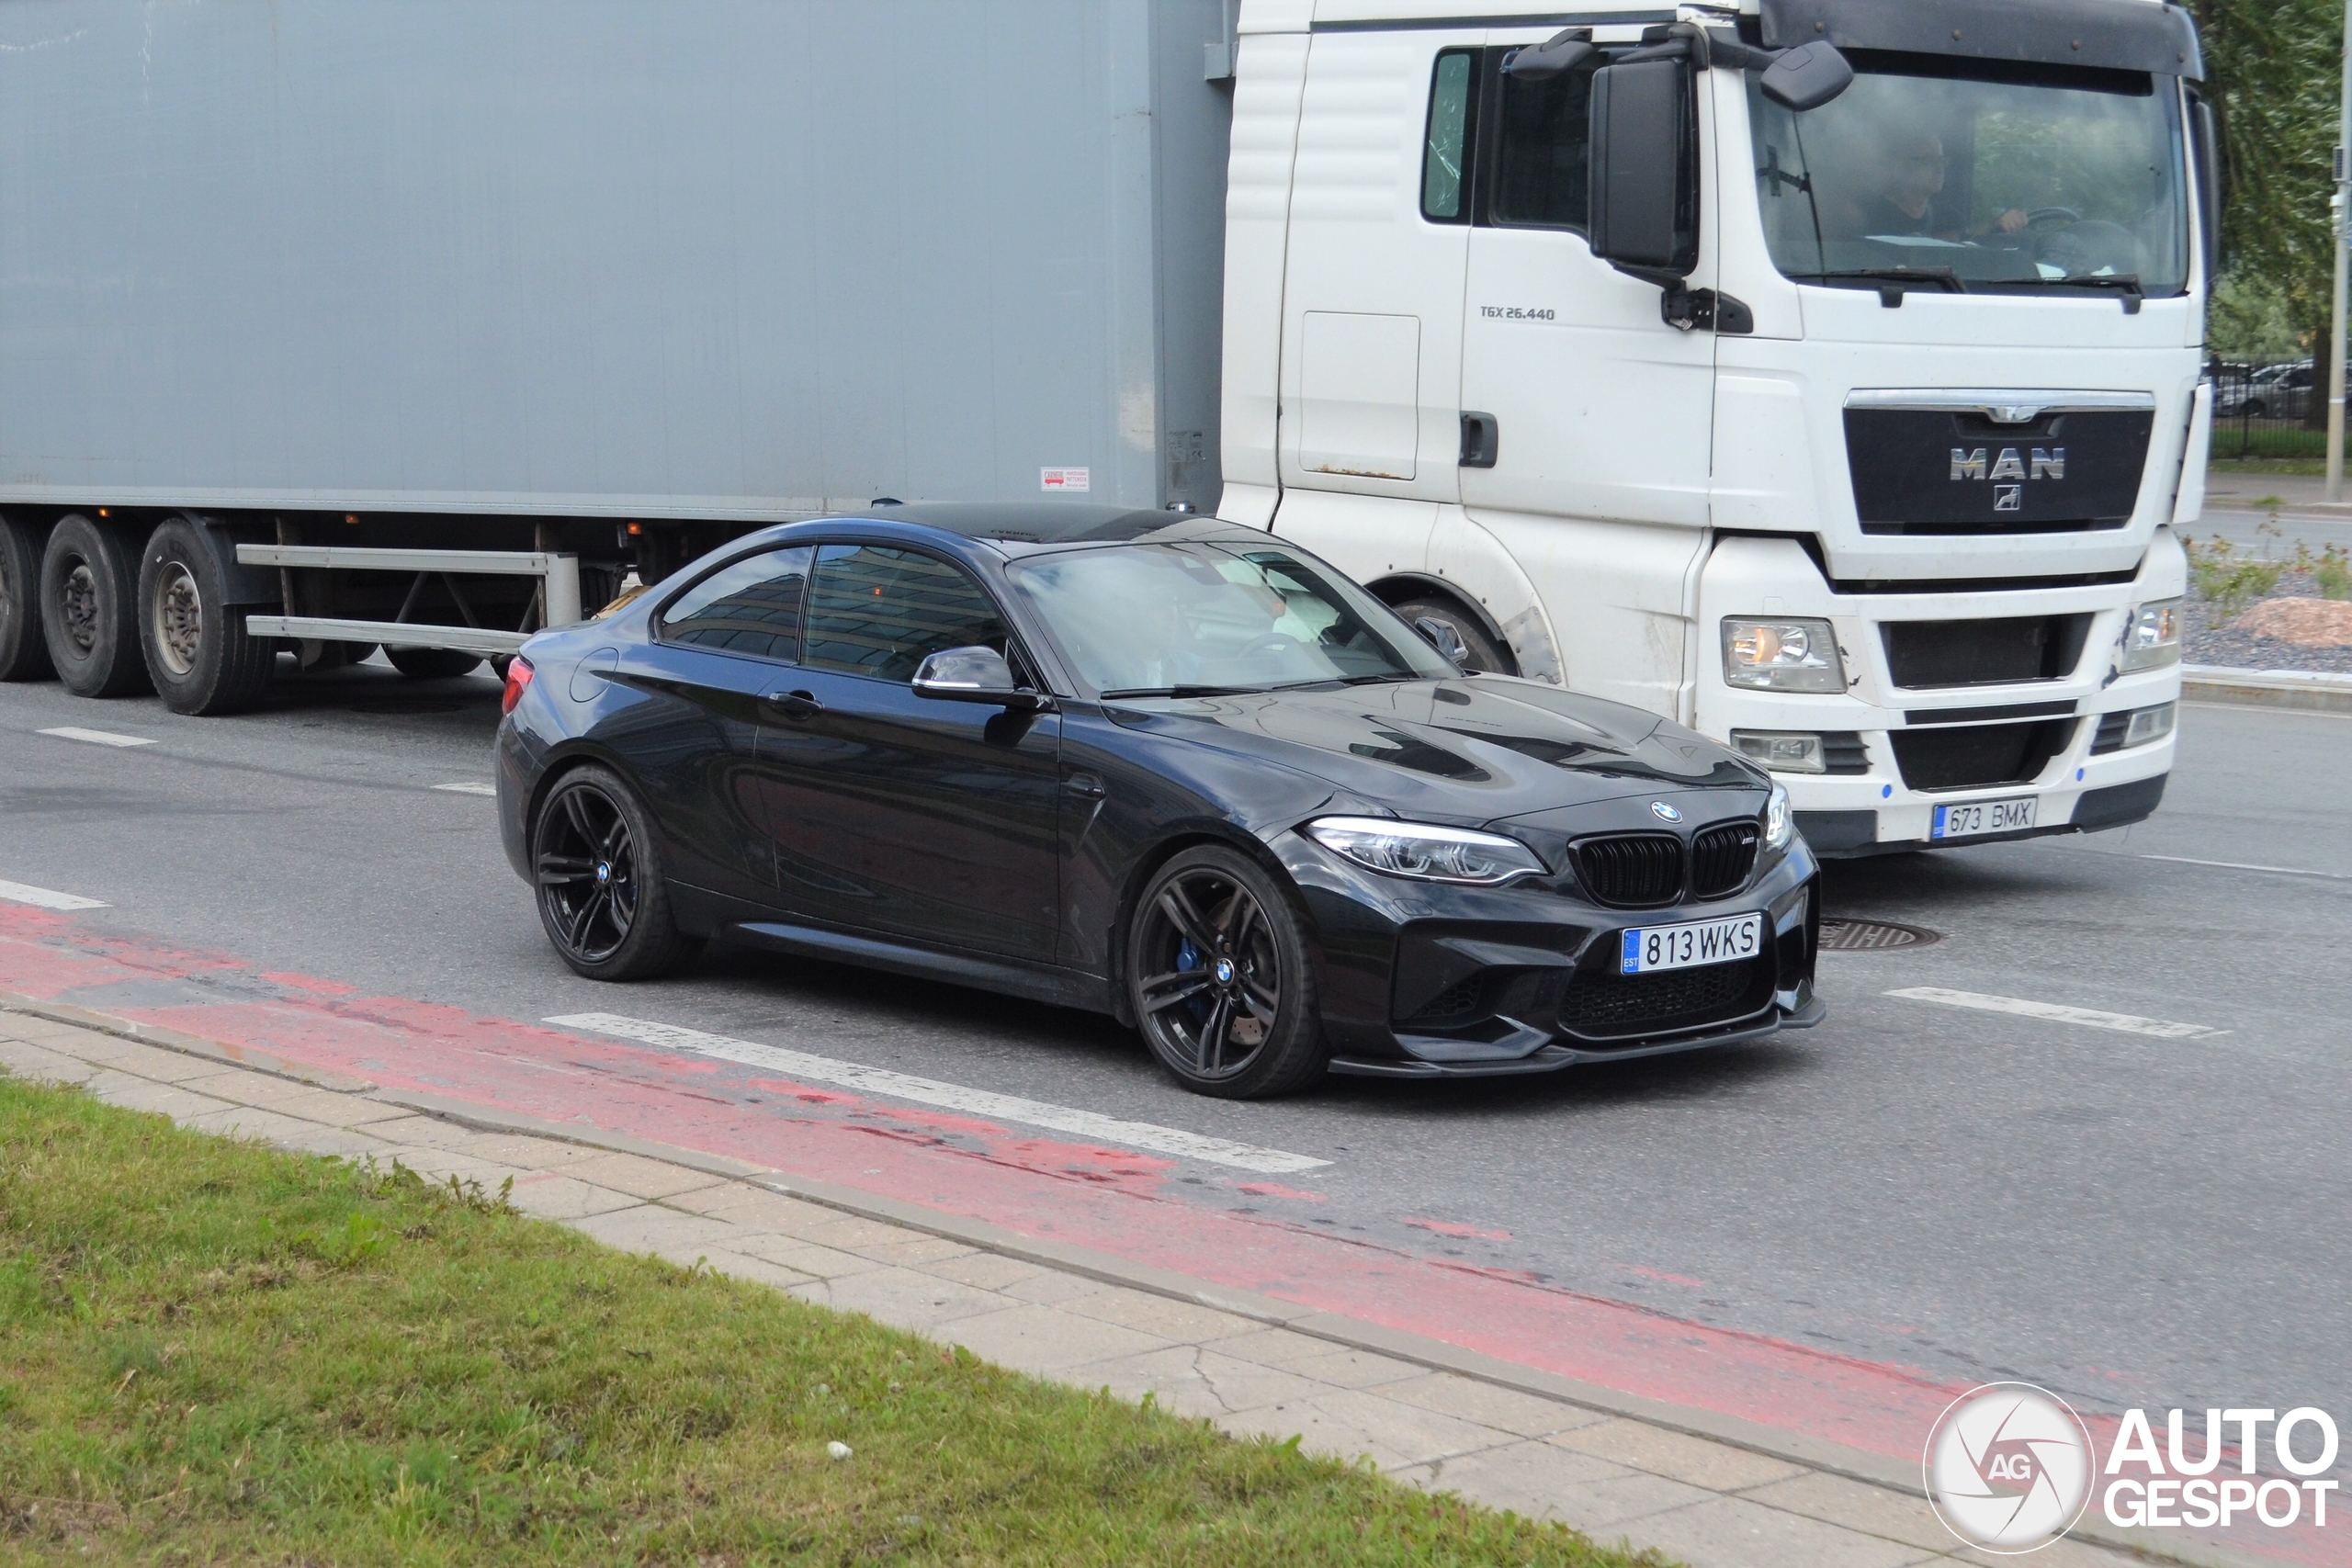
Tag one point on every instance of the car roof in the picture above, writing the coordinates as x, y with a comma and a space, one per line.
1023, 528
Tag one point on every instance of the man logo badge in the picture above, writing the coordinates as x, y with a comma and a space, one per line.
2048, 463
2008, 498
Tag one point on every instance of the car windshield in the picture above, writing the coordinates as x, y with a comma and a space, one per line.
1208, 617
1977, 177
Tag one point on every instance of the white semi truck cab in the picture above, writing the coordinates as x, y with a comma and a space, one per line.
1824, 373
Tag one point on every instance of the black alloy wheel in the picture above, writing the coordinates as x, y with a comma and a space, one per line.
1219, 978
601, 895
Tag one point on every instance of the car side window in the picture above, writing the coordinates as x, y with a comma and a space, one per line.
880, 611
750, 606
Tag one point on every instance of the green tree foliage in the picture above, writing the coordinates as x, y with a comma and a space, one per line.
2271, 73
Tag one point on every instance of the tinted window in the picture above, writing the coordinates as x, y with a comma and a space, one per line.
1444, 158
879, 611
750, 606
1542, 175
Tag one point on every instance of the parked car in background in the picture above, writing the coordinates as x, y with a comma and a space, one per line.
2274, 391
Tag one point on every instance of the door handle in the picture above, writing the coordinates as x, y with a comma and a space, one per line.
1085, 784
794, 705
1482, 437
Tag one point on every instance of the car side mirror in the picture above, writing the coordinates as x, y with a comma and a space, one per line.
1807, 77
1645, 174
1441, 636
973, 675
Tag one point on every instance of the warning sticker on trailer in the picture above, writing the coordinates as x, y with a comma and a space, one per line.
1063, 478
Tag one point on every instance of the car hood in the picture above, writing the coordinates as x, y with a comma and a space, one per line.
1465, 752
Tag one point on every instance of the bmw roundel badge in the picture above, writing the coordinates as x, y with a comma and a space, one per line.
1665, 813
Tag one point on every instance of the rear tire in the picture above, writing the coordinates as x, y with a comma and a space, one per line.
596, 870
193, 642
1486, 655
433, 663
1220, 978
23, 655
89, 610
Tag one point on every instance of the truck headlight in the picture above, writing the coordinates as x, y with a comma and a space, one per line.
1780, 823
2152, 638
1783, 656
1424, 851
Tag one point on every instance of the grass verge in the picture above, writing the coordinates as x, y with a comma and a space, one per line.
212, 1351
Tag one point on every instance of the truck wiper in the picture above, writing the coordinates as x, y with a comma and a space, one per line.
2125, 283
1942, 278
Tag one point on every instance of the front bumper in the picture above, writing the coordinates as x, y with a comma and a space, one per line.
1430, 980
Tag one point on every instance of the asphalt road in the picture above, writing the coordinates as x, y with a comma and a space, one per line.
2126, 1218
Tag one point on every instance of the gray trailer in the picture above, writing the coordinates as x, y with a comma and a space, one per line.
418, 322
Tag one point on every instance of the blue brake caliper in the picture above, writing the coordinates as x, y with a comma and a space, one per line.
1188, 958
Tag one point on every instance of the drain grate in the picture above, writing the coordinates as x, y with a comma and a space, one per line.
1870, 936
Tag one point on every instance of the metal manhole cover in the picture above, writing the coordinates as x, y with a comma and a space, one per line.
1870, 936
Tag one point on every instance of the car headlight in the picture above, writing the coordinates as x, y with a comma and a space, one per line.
1783, 656
1424, 851
2152, 638
1780, 822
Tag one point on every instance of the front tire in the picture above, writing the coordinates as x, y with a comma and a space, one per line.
1486, 654
24, 654
597, 871
89, 597
1220, 978
192, 641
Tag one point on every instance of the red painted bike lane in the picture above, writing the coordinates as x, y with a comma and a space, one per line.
1117, 1202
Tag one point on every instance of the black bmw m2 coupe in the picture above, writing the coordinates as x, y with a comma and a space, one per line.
1163, 767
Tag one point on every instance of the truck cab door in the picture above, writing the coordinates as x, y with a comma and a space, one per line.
1601, 409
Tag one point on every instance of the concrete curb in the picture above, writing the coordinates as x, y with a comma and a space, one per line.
1813, 1453
2314, 691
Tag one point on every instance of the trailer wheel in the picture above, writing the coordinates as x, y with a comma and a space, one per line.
89, 597
1485, 653
194, 641
432, 663
24, 656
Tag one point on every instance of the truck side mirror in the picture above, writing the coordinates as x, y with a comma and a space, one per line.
1807, 77
1563, 51
1644, 173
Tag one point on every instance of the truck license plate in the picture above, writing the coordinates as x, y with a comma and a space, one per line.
1983, 817
1652, 948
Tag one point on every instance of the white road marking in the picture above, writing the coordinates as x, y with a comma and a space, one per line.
46, 898
948, 1096
2244, 865
2163, 1029
469, 787
96, 737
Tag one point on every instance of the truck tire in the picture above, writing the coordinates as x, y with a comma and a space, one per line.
192, 639
432, 663
89, 609
24, 656
1486, 653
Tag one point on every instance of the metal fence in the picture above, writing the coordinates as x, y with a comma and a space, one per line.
2258, 410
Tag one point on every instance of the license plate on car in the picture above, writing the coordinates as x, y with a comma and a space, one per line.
1652, 948
1983, 817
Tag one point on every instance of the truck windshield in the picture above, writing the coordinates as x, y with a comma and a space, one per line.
1977, 177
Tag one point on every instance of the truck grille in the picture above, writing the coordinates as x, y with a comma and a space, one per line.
1963, 756
1721, 858
1630, 870
1952, 471
1607, 1004
1922, 655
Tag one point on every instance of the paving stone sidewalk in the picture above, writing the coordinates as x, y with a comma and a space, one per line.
1710, 1504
